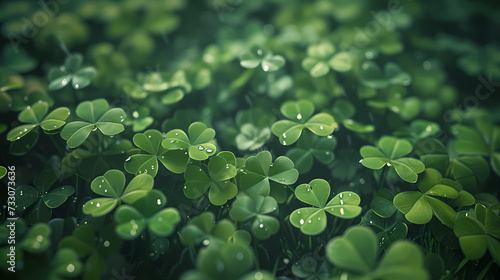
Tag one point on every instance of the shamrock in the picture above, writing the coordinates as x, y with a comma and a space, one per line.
71, 71
36, 203
203, 229
36, 116
149, 212
390, 152
152, 151
356, 254
111, 185
320, 58
220, 172
261, 176
312, 220
420, 206
254, 210
96, 115
197, 144
300, 112
372, 76
258, 56
310, 147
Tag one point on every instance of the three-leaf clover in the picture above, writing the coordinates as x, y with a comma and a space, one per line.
320, 58
356, 254
478, 231
310, 147
261, 176
485, 142
255, 210
36, 203
71, 71
96, 115
203, 229
36, 116
299, 113
420, 206
220, 172
152, 151
388, 230
312, 220
196, 144
252, 137
112, 186
372, 76
149, 212
390, 151
258, 56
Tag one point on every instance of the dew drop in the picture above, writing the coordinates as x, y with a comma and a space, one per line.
299, 116
209, 150
106, 243
301, 221
135, 114
64, 82
158, 201
341, 211
77, 86
70, 268
201, 148
261, 225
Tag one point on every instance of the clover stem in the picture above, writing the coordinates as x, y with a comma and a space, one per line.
460, 266
382, 177
257, 265
485, 269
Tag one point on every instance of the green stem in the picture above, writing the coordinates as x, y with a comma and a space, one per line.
57, 146
460, 266
381, 180
485, 270
257, 265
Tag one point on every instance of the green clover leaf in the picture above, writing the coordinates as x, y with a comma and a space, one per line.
3, 171
140, 119
218, 181
258, 56
372, 76
356, 254
146, 212
71, 71
390, 151
65, 264
343, 111
419, 207
36, 116
196, 144
152, 151
96, 115
203, 229
254, 209
251, 137
172, 86
310, 147
320, 58
313, 220
36, 203
261, 176
485, 141
299, 113
111, 186
478, 230
388, 229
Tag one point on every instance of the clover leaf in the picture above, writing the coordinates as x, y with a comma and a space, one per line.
343, 111
229, 261
254, 209
420, 206
307, 268
3, 171
203, 229
313, 220
390, 151
71, 71
469, 171
261, 176
320, 58
372, 76
257, 56
356, 254
36, 116
419, 129
152, 151
65, 264
196, 144
484, 142
252, 137
388, 229
382, 203
171, 86
218, 181
310, 147
149, 212
36, 203
478, 230
140, 119
96, 115
299, 113
112, 186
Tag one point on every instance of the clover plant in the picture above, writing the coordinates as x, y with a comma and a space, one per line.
254, 209
196, 144
299, 113
257, 56
71, 71
313, 220
96, 114
390, 151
